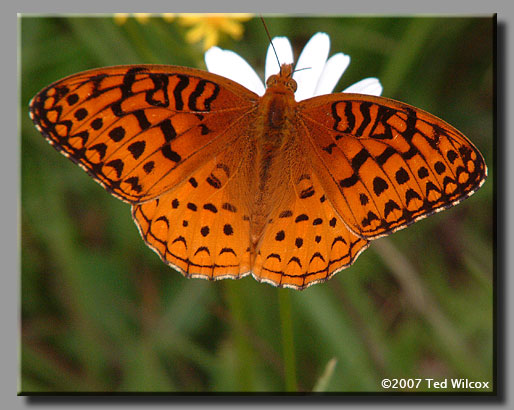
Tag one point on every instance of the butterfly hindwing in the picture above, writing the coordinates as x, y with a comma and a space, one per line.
197, 227
305, 241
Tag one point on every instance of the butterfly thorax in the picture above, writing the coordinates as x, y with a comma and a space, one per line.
275, 133
277, 109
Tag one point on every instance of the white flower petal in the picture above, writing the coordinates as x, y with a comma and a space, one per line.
312, 59
332, 72
369, 86
284, 54
318, 77
233, 66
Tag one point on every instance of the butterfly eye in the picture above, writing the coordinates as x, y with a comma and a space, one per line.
272, 79
291, 84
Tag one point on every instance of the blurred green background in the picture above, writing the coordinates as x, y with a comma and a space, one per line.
101, 312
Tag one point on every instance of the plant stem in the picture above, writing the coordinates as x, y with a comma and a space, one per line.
245, 358
284, 300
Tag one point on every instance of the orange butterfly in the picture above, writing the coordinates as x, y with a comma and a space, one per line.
224, 182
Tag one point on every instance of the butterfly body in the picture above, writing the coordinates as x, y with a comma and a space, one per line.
275, 150
224, 183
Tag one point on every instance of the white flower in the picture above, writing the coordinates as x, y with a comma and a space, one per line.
318, 74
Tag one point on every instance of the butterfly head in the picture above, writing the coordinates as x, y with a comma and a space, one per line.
283, 81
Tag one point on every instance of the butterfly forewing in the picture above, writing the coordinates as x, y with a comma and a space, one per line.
386, 164
140, 130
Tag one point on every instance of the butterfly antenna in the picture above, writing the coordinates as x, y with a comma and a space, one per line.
301, 69
271, 42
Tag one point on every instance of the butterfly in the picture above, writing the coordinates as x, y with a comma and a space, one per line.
225, 183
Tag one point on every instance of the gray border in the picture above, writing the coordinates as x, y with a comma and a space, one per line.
10, 162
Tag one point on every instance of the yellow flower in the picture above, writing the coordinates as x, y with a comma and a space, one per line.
168, 17
121, 18
209, 27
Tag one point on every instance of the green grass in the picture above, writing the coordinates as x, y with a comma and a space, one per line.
101, 312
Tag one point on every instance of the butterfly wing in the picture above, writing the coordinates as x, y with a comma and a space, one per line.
162, 138
385, 164
200, 228
307, 242
140, 130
